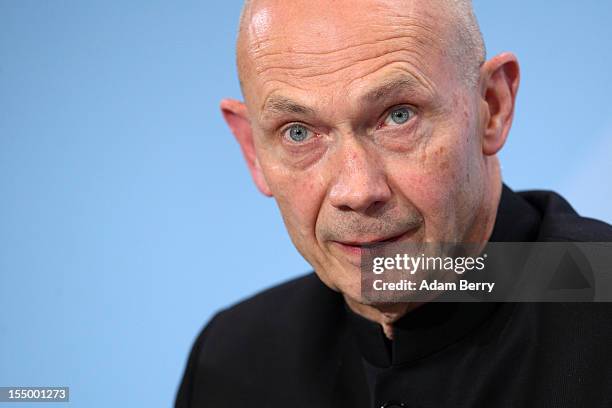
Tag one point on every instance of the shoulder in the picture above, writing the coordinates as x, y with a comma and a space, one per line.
284, 306
275, 314
257, 336
560, 222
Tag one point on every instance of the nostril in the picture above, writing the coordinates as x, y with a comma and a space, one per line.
375, 207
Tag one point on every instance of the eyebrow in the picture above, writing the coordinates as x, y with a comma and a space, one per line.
392, 86
281, 104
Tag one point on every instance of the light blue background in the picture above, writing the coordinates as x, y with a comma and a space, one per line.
127, 216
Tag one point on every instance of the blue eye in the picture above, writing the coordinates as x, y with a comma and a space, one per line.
399, 116
297, 133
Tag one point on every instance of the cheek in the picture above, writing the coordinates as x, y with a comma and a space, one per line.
299, 196
433, 180
429, 175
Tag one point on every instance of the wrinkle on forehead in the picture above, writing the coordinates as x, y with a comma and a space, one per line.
362, 49
350, 77
286, 43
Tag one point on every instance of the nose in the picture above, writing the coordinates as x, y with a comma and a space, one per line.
360, 183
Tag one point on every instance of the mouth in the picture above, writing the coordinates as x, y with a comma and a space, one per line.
356, 248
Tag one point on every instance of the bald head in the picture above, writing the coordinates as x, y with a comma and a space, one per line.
457, 28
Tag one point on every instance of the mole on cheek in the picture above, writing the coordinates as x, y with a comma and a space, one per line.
442, 159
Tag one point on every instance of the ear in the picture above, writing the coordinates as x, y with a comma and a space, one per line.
235, 114
500, 77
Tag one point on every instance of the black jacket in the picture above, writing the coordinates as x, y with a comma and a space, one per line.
298, 345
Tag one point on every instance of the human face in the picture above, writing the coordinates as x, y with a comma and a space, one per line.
362, 128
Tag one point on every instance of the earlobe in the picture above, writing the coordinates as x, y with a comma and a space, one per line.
500, 82
235, 115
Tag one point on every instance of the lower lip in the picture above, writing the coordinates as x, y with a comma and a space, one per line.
357, 250
350, 249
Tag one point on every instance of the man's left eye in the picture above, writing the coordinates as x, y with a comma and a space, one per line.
399, 116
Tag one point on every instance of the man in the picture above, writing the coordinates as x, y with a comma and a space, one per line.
372, 122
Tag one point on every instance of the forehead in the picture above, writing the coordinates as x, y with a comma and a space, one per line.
338, 45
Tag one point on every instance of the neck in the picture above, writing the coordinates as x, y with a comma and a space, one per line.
383, 314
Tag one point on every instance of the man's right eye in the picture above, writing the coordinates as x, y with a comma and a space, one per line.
297, 133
